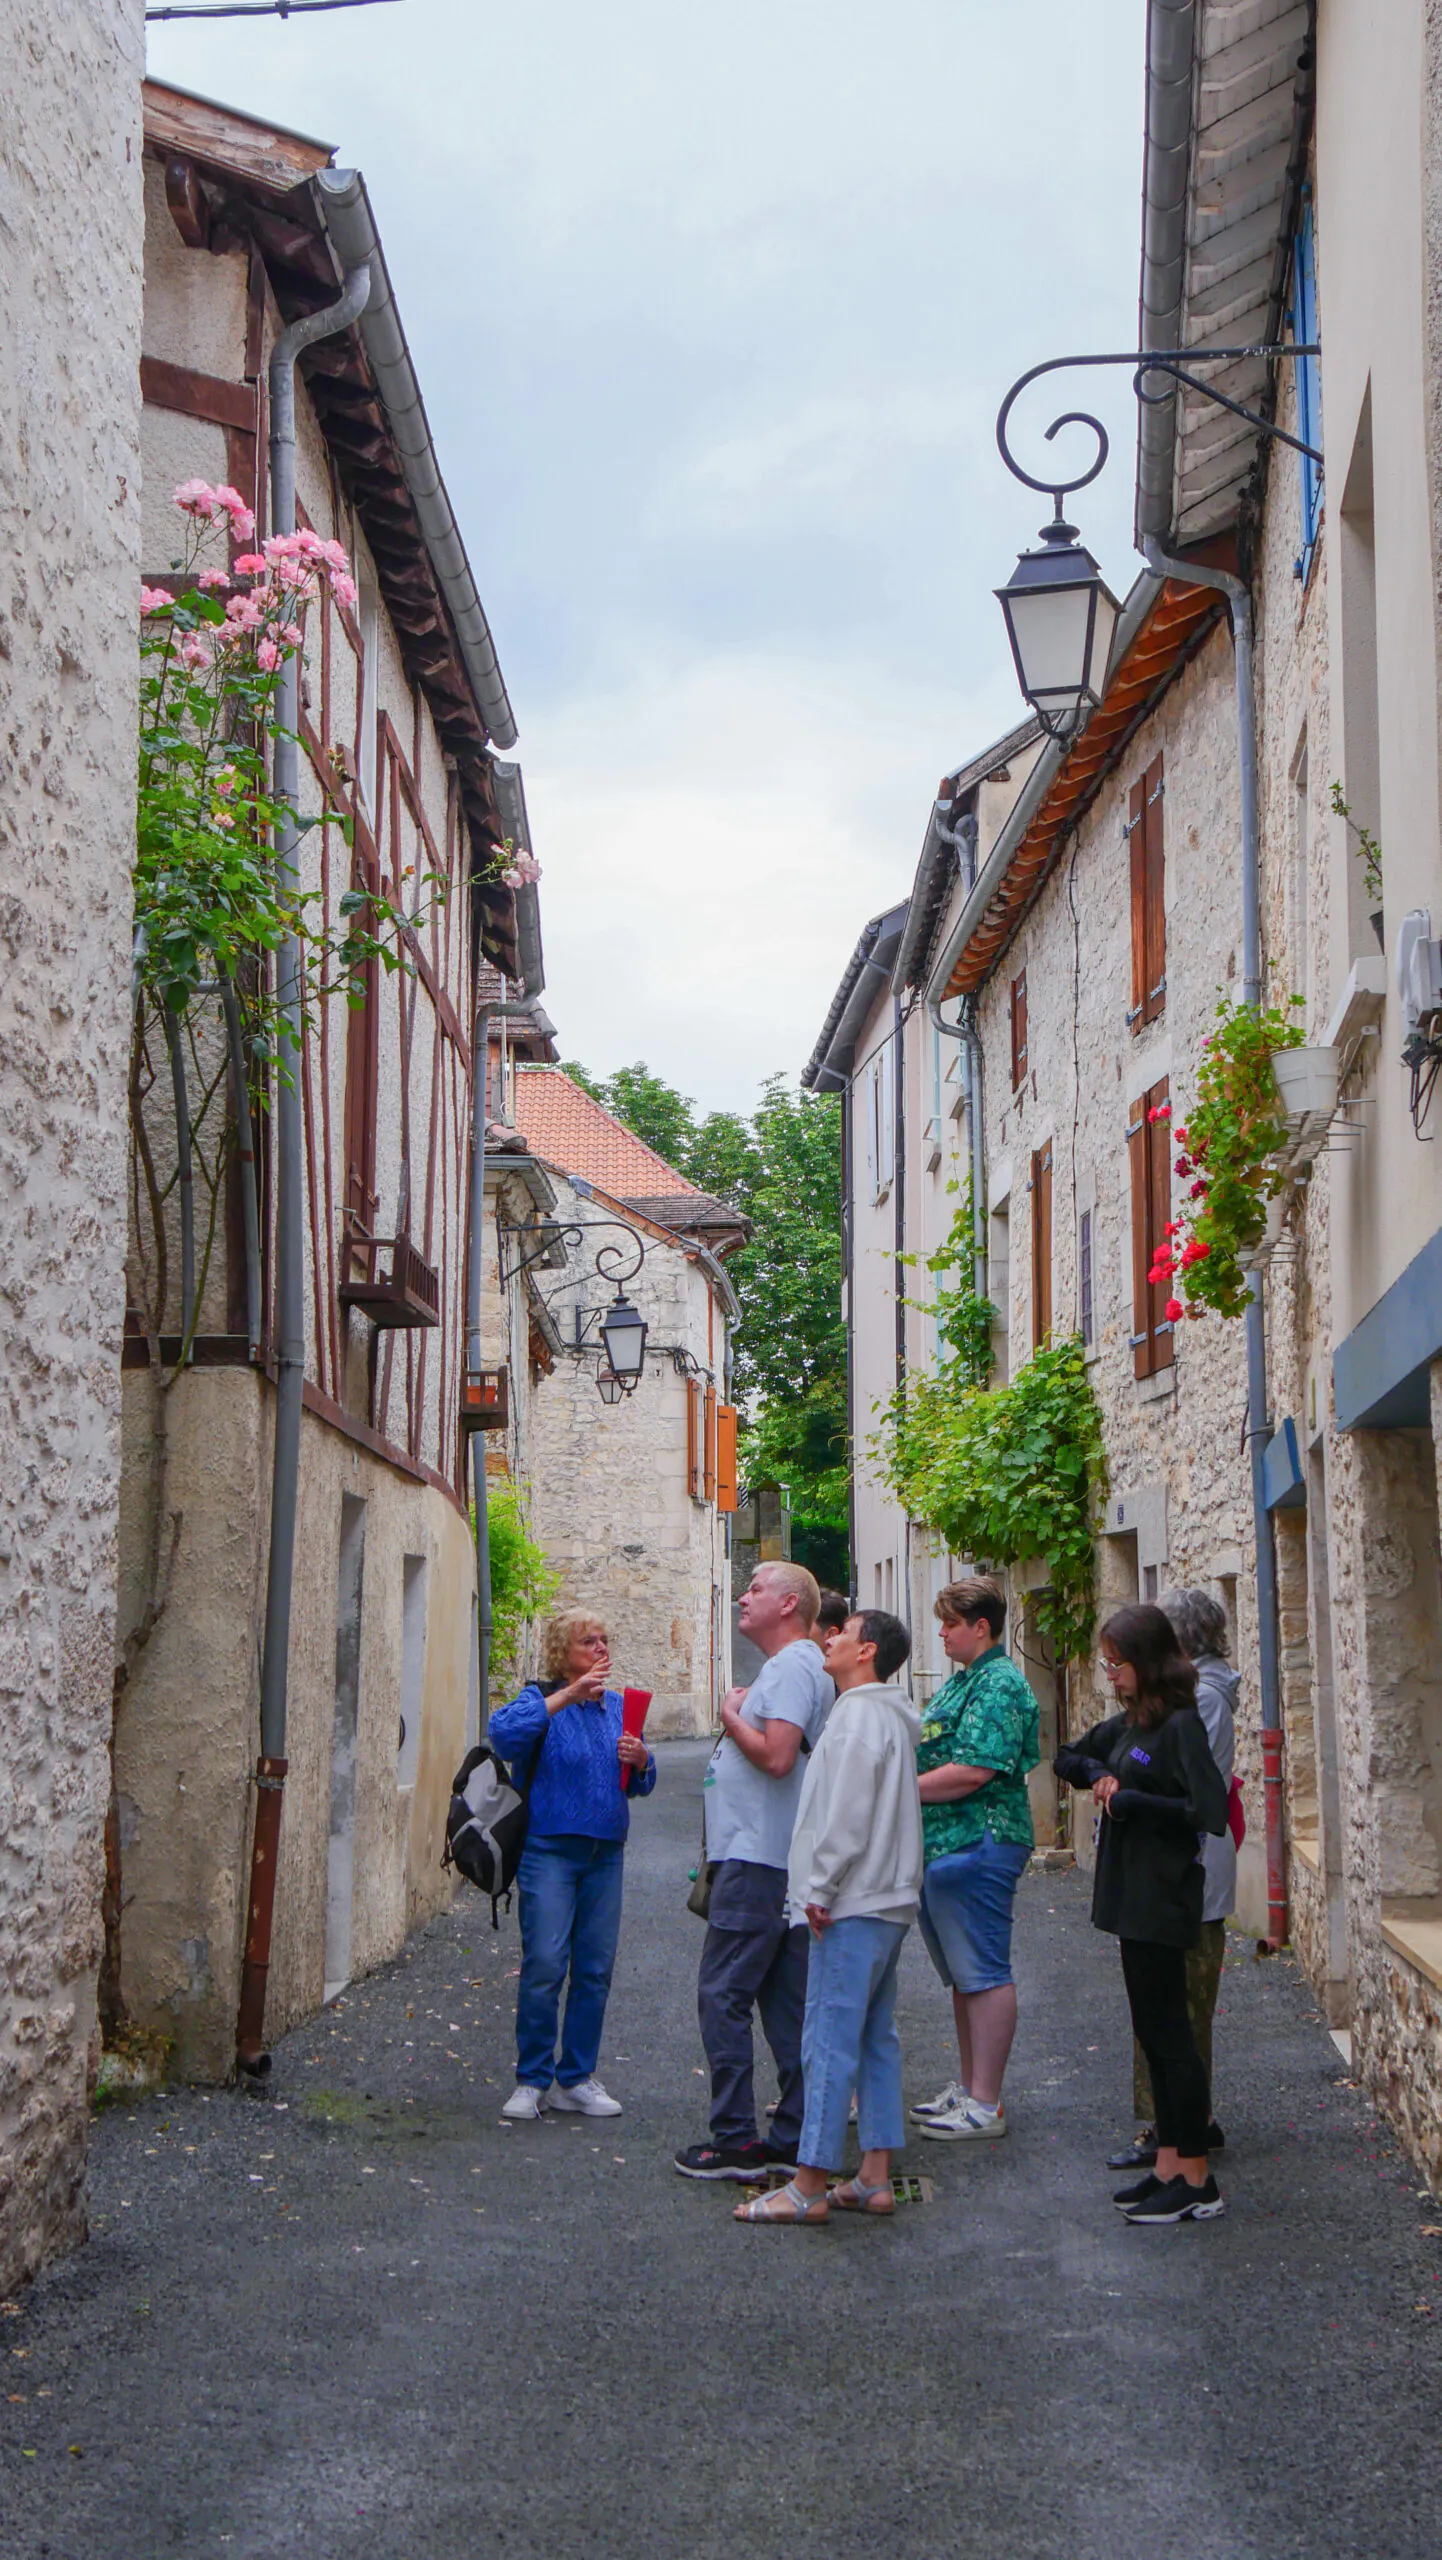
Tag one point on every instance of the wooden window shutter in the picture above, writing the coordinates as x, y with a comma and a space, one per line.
1138, 1158
725, 1457
362, 1079
708, 1473
1149, 1150
693, 1438
1018, 1030
1155, 935
1041, 1311
1159, 1209
1137, 845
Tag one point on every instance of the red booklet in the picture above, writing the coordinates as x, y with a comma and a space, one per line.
634, 1703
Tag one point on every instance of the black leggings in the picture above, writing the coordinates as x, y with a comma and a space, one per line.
1156, 1980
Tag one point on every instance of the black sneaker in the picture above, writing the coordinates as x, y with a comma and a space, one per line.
1141, 2154
743, 2161
1179, 2202
779, 2155
1126, 2197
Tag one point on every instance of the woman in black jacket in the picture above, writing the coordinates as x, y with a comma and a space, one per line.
1152, 1775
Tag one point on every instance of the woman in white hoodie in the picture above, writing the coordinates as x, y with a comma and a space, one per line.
855, 1872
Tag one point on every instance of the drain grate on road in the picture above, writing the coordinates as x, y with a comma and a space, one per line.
907, 2189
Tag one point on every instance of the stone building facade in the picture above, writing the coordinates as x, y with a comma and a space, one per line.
69, 573
398, 722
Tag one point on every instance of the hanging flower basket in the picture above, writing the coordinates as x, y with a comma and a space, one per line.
1308, 1080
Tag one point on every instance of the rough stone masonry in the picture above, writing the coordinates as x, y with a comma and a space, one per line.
70, 288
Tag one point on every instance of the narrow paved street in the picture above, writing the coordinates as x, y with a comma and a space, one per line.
356, 2319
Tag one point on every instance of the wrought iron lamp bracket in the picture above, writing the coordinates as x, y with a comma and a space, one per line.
1176, 363
605, 1261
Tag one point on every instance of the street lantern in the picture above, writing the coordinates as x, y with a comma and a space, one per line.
1060, 617
623, 1331
609, 1387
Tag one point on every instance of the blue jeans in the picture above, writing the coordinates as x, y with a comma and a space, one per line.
849, 2041
966, 1907
570, 1888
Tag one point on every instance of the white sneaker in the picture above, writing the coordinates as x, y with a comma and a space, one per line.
953, 2095
524, 2102
588, 2098
963, 2123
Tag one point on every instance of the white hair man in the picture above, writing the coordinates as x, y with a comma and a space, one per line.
753, 1960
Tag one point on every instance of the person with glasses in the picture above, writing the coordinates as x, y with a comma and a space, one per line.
565, 1734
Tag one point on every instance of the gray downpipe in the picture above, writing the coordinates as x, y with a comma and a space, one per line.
480, 1078
245, 1153
1258, 1426
185, 1177
973, 1087
289, 1220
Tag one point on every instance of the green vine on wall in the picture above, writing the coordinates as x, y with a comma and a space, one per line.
523, 1583
964, 1318
1015, 1474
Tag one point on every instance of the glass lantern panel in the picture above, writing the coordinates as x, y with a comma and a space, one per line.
1049, 628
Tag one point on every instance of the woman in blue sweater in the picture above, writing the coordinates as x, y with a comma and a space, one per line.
564, 1731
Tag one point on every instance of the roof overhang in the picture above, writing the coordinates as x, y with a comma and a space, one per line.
1161, 628
1228, 113
930, 890
866, 977
235, 181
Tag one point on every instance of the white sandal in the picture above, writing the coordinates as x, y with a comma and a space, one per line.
802, 2208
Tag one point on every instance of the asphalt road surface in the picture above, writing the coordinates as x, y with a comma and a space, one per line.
357, 2319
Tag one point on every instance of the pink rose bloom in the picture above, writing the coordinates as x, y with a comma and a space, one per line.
196, 651
283, 546
222, 817
345, 590
512, 878
334, 554
154, 599
226, 779
251, 564
267, 656
309, 543
292, 634
210, 579
197, 498
241, 516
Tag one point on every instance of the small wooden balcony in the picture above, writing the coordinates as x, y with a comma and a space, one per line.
405, 1296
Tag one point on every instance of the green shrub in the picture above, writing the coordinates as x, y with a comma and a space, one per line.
522, 1582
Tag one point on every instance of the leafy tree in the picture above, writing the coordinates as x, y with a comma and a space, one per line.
782, 1169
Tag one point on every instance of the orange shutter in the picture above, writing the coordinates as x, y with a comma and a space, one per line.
725, 1457
708, 1481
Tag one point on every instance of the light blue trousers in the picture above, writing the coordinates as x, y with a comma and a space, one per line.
849, 2041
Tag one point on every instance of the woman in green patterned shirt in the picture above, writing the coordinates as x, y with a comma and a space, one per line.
979, 1737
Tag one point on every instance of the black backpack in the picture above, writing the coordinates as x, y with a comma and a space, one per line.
487, 1823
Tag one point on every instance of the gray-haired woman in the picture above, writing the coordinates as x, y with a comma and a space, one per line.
1200, 1626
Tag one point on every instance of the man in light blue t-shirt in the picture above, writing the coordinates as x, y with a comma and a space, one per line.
752, 1960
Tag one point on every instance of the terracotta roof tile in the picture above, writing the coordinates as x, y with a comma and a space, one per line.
566, 1128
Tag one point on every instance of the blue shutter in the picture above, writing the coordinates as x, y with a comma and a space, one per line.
1309, 377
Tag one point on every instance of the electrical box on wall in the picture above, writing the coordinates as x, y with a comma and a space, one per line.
1419, 969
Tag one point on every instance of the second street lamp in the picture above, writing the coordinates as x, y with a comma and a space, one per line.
623, 1331
1060, 617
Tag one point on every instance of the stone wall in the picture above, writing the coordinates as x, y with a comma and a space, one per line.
70, 215
610, 1498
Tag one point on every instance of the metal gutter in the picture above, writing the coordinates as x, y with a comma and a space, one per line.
1033, 792
1166, 166
344, 207
862, 982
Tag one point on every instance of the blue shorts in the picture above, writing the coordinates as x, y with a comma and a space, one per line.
966, 1907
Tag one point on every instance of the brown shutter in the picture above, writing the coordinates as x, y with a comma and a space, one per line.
1137, 844
693, 1438
362, 1079
1155, 933
725, 1457
1159, 1210
1137, 1157
708, 1477
1018, 1030
1041, 1245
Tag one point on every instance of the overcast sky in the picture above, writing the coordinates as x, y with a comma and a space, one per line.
713, 310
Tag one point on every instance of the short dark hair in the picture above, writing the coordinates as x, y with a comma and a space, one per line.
1145, 1637
835, 1609
889, 1636
978, 1596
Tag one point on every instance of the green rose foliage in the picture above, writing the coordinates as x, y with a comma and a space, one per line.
1229, 1154
522, 1582
1012, 1474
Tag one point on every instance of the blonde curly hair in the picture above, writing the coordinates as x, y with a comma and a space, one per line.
561, 1633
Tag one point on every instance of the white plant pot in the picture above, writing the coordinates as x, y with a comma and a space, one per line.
1308, 1081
